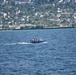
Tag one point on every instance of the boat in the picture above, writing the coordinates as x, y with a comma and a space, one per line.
35, 40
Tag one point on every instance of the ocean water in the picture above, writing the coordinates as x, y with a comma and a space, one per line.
56, 56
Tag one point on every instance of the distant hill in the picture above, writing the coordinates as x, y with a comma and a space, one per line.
25, 14
43, 1
37, 1
22, 0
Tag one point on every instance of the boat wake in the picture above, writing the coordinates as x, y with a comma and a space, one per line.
18, 43
24, 43
45, 42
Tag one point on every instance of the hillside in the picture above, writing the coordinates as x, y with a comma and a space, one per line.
25, 14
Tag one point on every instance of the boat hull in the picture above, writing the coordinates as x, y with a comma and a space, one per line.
36, 41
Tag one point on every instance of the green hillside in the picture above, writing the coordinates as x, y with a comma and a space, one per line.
37, 14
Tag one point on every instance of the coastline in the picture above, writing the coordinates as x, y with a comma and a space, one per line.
36, 28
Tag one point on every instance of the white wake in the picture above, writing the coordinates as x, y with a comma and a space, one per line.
17, 43
21, 43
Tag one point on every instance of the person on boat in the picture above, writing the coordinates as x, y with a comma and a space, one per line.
36, 40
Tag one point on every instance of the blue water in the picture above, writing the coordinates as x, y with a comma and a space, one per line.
56, 56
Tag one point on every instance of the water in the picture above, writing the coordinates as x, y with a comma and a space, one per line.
56, 56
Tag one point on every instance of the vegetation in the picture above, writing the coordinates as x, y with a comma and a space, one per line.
37, 14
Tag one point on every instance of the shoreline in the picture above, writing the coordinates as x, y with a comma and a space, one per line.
36, 28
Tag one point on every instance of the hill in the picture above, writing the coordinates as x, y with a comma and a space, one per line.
25, 14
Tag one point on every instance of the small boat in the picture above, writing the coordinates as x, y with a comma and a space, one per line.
37, 40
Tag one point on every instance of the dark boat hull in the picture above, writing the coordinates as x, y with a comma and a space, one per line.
36, 41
